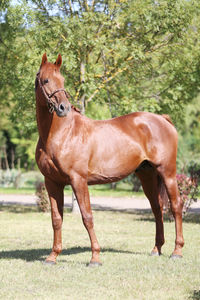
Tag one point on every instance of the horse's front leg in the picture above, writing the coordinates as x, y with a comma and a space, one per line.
80, 188
56, 197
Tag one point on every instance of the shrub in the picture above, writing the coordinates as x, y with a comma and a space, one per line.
134, 181
42, 197
10, 178
188, 189
194, 170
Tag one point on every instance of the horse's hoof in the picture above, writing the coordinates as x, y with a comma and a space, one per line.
176, 256
155, 253
94, 264
49, 262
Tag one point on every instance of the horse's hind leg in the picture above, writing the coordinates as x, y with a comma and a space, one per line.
150, 183
176, 207
56, 197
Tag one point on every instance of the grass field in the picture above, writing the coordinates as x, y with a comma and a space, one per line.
122, 190
128, 272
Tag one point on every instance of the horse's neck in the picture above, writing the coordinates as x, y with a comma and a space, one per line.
44, 122
50, 124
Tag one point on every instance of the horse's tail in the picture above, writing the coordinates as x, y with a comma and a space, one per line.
163, 194
167, 117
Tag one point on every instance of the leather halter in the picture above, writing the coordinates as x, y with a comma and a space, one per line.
50, 103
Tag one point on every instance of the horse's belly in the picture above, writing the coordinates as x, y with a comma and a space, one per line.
101, 179
114, 166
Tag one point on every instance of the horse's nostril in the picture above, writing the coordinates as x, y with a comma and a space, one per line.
61, 107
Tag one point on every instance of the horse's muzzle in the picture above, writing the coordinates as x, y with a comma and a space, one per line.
62, 110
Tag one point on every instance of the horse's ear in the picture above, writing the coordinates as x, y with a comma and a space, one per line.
44, 59
58, 62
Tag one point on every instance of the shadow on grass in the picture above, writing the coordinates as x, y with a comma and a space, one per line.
40, 254
21, 209
144, 215
18, 208
195, 295
193, 218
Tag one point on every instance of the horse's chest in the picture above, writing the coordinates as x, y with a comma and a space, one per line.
48, 167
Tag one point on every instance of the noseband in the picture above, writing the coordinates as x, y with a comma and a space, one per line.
50, 103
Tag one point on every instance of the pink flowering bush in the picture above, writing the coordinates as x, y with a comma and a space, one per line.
188, 189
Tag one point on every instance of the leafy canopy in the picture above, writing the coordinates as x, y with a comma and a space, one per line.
121, 55
133, 55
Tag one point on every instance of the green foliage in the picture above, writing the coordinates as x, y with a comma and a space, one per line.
134, 182
26, 146
135, 55
189, 138
98, 111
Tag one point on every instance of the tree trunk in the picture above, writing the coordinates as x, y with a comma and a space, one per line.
18, 163
113, 185
0, 159
5, 158
12, 159
75, 207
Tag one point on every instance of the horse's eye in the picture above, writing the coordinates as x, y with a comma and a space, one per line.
45, 81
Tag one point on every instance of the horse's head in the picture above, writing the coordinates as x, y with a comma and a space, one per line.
49, 87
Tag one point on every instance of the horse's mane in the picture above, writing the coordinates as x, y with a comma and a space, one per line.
167, 118
36, 83
76, 109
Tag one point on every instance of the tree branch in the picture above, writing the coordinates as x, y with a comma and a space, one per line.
105, 81
41, 6
70, 6
86, 5
123, 69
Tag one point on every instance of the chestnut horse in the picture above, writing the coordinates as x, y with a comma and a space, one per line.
73, 149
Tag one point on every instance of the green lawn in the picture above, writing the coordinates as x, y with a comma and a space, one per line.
103, 190
128, 272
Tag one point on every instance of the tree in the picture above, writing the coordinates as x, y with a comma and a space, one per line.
127, 55
189, 138
132, 55
16, 127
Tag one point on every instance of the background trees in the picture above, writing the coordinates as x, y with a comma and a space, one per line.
118, 56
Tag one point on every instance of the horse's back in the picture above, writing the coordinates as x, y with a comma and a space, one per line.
123, 143
142, 127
